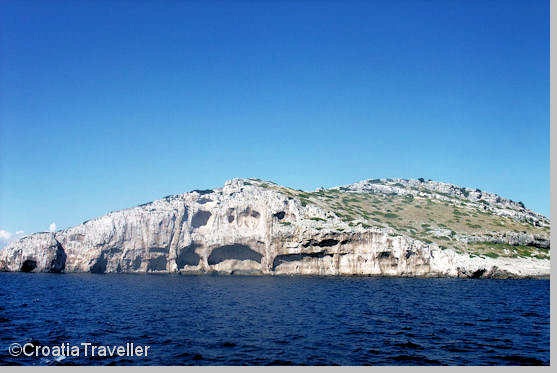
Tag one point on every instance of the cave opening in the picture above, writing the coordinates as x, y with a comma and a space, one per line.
28, 265
235, 251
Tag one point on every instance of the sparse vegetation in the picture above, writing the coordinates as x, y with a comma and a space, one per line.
317, 219
420, 215
492, 255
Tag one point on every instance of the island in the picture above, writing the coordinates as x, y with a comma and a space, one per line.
382, 227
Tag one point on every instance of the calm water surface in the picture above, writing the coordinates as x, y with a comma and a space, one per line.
229, 320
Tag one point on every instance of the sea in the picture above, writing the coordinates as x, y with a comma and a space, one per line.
86, 319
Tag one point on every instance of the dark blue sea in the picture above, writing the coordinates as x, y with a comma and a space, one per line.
252, 320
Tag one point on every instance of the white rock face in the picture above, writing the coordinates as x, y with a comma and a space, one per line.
246, 227
39, 252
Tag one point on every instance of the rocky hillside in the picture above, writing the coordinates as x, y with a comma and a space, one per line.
392, 227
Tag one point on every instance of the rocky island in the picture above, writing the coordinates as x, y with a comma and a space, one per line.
387, 227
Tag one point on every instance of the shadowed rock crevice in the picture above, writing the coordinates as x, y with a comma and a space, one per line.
250, 212
188, 256
279, 215
76, 237
157, 264
100, 264
159, 250
477, 274
58, 264
286, 258
203, 192
328, 242
234, 251
28, 265
386, 259
200, 218
136, 264
229, 215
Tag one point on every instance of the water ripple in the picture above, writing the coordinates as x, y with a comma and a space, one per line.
227, 320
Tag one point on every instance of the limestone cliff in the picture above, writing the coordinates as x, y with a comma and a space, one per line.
392, 227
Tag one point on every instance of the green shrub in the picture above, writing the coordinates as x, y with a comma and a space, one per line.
492, 255
317, 219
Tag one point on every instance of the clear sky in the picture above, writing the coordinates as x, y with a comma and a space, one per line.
108, 104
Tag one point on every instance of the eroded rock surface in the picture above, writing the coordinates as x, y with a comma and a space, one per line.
375, 227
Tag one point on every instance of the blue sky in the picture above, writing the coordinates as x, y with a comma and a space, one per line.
108, 104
